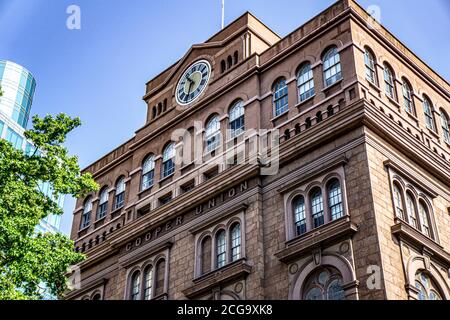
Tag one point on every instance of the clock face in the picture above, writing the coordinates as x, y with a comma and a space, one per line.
193, 82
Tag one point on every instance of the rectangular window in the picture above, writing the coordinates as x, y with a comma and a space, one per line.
120, 199
317, 211
166, 199
168, 168
102, 210
237, 126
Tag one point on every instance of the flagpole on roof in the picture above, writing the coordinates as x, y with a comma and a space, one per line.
223, 14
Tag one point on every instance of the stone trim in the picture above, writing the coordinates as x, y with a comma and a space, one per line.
318, 237
405, 232
94, 285
226, 274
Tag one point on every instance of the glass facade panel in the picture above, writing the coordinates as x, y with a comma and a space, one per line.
14, 138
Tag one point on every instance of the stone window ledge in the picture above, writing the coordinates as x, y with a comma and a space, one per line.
323, 235
207, 282
334, 84
162, 296
405, 232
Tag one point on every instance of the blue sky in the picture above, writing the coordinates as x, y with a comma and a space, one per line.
98, 73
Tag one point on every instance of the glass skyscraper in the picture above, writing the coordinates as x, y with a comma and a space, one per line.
18, 85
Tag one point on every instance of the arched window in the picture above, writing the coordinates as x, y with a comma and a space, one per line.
428, 111
119, 199
212, 134
398, 201
389, 86
159, 108
424, 219
369, 61
280, 97
299, 215
221, 249
235, 242
103, 203
305, 82
324, 284
411, 209
318, 116
308, 123
206, 248
335, 199
317, 207
160, 274
331, 66
445, 127
407, 97
168, 160
135, 286
87, 210
148, 283
97, 296
229, 62
236, 57
154, 112
287, 134
330, 111
148, 172
223, 66
428, 289
237, 123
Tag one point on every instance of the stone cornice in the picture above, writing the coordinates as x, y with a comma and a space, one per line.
388, 130
322, 236
127, 260
90, 286
323, 167
418, 180
226, 274
405, 232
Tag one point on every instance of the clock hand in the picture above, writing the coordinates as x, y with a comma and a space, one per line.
189, 90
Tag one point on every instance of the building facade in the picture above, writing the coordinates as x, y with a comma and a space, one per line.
18, 86
314, 166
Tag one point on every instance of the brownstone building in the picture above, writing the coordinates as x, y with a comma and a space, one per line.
314, 166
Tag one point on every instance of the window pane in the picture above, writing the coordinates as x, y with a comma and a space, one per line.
135, 283
148, 283
317, 208
236, 242
300, 215
411, 210
332, 67
221, 249
398, 202
335, 199
305, 82
206, 255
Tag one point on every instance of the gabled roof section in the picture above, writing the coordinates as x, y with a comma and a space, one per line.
245, 23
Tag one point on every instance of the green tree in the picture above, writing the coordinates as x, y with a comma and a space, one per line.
29, 259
